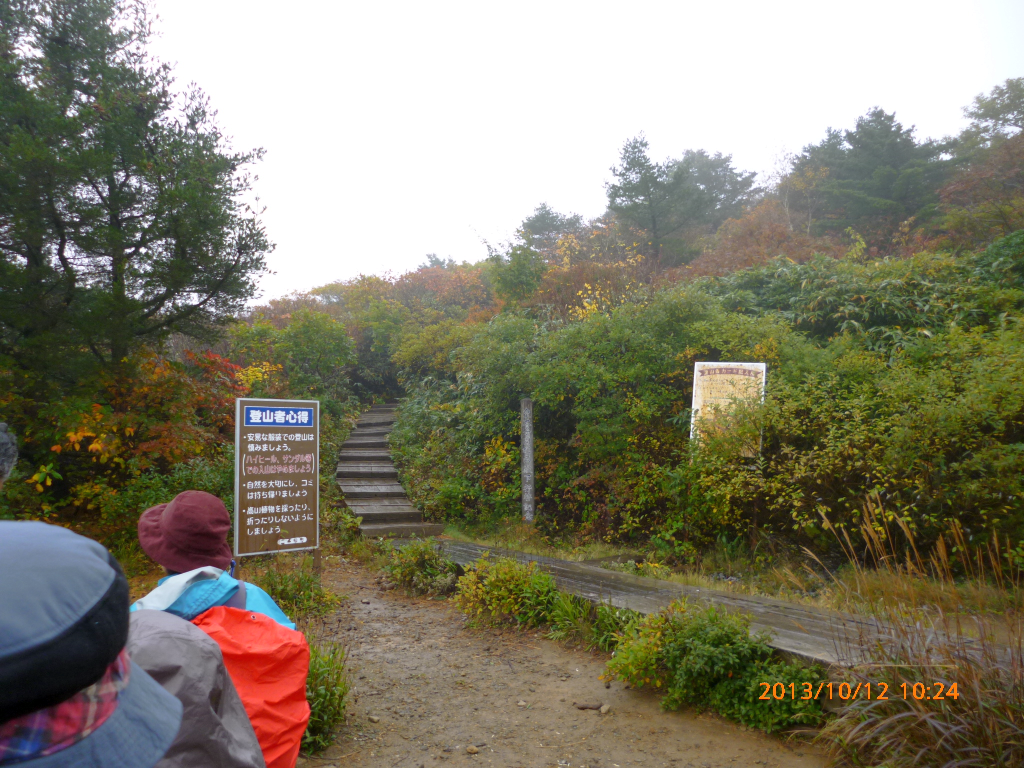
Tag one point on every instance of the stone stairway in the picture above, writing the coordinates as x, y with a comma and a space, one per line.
370, 483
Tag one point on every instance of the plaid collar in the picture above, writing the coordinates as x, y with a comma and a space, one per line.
47, 731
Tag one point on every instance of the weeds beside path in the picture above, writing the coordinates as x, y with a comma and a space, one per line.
438, 687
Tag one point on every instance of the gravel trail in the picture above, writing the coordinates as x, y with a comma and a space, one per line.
429, 691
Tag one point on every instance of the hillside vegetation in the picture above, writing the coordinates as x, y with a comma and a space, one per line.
878, 274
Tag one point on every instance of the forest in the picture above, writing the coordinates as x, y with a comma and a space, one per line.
879, 274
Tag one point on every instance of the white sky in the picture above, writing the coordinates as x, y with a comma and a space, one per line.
399, 129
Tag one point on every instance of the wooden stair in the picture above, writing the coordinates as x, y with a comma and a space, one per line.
369, 481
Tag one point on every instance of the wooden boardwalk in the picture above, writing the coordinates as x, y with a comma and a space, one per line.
803, 632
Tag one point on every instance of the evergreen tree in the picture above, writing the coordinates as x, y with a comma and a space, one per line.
121, 213
875, 177
678, 201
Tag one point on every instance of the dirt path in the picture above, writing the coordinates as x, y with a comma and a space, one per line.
426, 688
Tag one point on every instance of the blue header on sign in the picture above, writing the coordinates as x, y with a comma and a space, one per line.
258, 416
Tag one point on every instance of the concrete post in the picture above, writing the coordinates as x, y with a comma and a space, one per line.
526, 452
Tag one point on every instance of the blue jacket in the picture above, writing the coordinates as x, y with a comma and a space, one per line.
203, 595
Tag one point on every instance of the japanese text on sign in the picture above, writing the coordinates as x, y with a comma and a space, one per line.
256, 416
276, 476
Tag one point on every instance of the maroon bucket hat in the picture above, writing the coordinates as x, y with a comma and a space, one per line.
191, 531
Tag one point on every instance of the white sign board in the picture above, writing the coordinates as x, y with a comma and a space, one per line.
717, 387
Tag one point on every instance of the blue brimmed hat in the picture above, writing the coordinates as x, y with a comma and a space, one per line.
63, 628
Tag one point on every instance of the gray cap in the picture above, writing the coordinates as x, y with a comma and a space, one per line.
63, 621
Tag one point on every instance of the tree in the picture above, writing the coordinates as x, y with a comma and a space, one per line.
515, 274
312, 350
984, 201
546, 227
642, 192
876, 177
121, 214
679, 201
705, 191
709, 190
999, 115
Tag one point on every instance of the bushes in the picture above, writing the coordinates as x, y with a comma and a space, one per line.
699, 656
420, 568
704, 657
326, 688
892, 376
503, 590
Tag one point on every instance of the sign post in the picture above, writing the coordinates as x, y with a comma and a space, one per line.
277, 476
717, 387
526, 454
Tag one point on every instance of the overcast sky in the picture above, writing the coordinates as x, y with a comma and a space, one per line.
394, 130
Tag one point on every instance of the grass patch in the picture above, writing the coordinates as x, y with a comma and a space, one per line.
419, 568
294, 586
954, 665
570, 620
326, 690
611, 624
134, 562
522, 537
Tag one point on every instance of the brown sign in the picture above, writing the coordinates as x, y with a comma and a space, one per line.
277, 477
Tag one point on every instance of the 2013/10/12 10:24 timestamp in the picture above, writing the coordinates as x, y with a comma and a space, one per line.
847, 692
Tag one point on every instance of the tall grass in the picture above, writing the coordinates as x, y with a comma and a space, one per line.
295, 588
327, 687
932, 634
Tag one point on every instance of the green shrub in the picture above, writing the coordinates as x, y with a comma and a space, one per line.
326, 688
895, 376
637, 658
338, 524
420, 568
706, 658
706, 646
740, 698
119, 508
504, 589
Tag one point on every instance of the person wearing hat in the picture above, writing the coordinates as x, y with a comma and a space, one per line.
188, 536
70, 696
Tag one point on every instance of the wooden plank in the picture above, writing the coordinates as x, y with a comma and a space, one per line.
372, 491
804, 632
381, 515
353, 471
363, 456
389, 502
